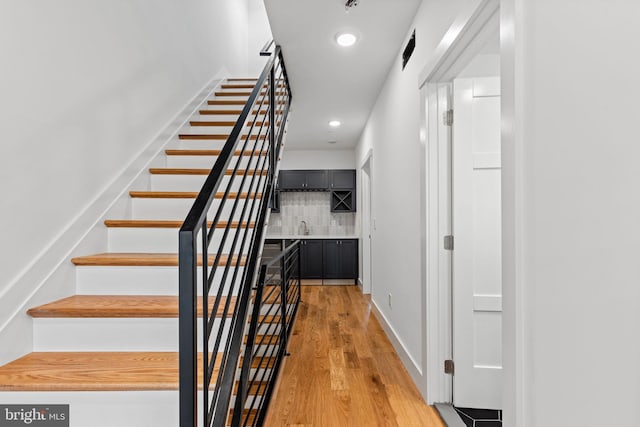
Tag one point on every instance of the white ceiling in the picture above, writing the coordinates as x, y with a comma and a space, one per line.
331, 82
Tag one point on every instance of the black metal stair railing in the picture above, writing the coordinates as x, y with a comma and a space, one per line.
223, 241
275, 304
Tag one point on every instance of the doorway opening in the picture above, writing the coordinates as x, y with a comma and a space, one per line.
462, 225
366, 225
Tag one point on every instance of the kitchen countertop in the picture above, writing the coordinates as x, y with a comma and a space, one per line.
309, 236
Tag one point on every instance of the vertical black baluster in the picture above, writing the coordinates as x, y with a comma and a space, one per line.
284, 279
272, 123
299, 275
187, 266
205, 321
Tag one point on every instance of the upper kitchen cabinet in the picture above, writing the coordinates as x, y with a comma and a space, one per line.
301, 180
343, 179
343, 190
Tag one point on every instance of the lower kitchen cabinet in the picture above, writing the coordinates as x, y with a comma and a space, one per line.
340, 259
311, 259
329, 259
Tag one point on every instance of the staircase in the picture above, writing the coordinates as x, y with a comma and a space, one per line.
111, 351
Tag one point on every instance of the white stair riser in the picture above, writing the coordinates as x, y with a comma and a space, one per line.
218, 130
166, 240
108, 408
99, 280
178, 208
214, 144
266, 351
207, 162
195, 182
215, 117
205, 116
112, 334
111, 408
227, 91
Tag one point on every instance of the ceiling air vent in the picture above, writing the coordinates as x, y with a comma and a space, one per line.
408, 50
349, 4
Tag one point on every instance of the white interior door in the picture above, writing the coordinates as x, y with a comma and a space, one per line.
477, 277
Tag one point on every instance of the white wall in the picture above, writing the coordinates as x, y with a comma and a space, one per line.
259, 34
392, 133
86, 86
572, 212
317, 159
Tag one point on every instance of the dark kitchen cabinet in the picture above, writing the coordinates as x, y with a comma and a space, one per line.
301, 180
291, 180
311, 259
343, 201
343, 190
317, 180
344, 179
340, 259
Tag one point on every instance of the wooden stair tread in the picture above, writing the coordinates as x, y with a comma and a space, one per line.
258, 388
239, 102
270, 318
244, 86
94, 371
248, 415
262, 362
181, 152
212, 123
153, 223
229, 112
185, 195
124, 259
215, 136
234, 93
245, 93
119, 306
238, 86
226, 102
189, 171
268, 339
241, 79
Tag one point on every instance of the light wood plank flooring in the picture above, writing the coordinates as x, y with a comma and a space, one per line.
343, 371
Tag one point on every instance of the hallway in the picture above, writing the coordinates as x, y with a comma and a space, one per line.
343, 371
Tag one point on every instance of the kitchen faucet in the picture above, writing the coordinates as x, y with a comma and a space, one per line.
306, 229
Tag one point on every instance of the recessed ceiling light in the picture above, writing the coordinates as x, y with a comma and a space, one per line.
335, 123
346, 39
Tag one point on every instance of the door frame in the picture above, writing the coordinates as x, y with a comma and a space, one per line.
366, 199
464, 39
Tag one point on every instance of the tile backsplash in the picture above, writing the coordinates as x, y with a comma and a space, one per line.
314, 209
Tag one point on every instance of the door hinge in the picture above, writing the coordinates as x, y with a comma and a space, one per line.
448, 243
449, 367
448, 118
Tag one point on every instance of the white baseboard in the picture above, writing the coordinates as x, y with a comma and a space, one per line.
50, 275
413, 368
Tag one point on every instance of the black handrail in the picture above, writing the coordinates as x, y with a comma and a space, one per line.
226, 280
265, 49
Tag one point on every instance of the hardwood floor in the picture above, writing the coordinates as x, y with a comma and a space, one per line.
343, 371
